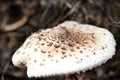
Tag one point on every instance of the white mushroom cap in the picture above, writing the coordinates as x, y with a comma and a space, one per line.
67, 48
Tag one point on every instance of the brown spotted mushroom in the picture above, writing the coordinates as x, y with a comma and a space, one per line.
67, 48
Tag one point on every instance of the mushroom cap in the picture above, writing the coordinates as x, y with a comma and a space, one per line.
67, 48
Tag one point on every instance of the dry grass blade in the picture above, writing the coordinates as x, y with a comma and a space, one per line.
16, 25
5, 70
73, 10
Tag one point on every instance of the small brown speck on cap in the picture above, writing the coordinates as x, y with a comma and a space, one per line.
43, 60
78, 62
76, 57
56, 50
49, 51
81, 51
56, 45
23, 53
72, 49
58, 41
93, 37
86, 56
62, 57
62, 40
104, 33
70, 55
94, 53
63, 52
41, 35
27, 44
63, 48
71, 44
35, 60
23, 64
90, 46
56, 60
41, 64
39, 38
52, 59
35, 49
50, 56
17, 52
103, 47
43, 51
50, 44
44, 39
77, 47
65, 55
42, 44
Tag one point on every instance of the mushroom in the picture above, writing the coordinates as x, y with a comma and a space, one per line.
67, 48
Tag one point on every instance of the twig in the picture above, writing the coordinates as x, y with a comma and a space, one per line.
103, 11
16, 25
74, 9
4, 70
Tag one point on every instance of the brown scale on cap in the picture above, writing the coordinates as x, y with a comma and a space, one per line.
71, 43
23, 53
17, 52
41, 34
35, 61
63, 48
39, 38
70, 55
81, 51
23, 64
35, 49
43, 51
56, 45
50, 44
42, 44
72, 49
63, 52
28, 44
41, 64
62, 57
50, 56
43, 60
78, 62
103, 47
77, 47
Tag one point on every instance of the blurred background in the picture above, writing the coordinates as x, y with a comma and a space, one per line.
20, 18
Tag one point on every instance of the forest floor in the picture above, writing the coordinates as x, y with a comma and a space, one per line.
20, 18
